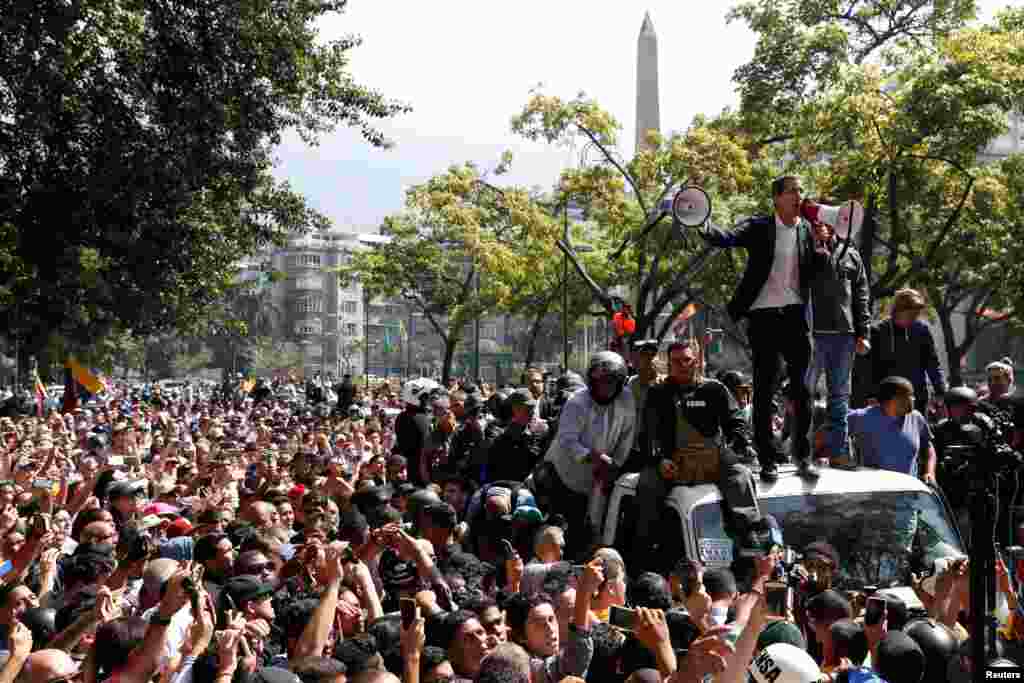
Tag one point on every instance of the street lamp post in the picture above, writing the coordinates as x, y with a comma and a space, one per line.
366, 340
476, 336
565, 290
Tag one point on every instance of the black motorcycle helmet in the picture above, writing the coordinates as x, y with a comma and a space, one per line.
960, 396
570, 381
938, 644
606, 365
419, 501
498, 406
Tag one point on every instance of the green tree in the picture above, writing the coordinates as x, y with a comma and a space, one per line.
624, 199
136, 143
895, 112
450, 252
270, 354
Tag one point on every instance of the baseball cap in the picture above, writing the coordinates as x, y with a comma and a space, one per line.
247, 588
823, 550
179, 527
127, 487
645, 345
160, 509
522, 397
781, 632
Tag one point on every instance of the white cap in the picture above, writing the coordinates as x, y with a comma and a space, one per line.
784, 663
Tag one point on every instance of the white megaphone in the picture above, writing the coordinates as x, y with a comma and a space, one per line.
691, 206
845, 220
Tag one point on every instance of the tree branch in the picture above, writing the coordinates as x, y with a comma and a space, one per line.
601, 295
678, 285
628, 176
953, 217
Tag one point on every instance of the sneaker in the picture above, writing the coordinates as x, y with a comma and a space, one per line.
769, 472
843, 461
808, 471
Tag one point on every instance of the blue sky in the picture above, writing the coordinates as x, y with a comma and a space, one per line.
467, 66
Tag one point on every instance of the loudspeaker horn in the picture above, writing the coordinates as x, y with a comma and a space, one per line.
691, 206
844, 219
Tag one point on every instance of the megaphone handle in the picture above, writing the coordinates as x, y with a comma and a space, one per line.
849, 236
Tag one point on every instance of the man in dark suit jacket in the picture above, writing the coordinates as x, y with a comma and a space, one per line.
774, 295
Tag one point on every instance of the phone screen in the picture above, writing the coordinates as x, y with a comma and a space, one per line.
874, 612
621, 617
778, 597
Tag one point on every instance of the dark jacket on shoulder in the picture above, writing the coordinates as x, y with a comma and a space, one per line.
757, 236
839, 292
906, 352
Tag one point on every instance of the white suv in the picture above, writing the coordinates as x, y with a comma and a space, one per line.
883, 524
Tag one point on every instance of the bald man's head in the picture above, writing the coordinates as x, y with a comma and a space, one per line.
263, 515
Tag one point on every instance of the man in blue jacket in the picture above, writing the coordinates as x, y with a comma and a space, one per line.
774, 295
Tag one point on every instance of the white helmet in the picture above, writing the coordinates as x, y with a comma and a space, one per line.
784, 663
415, 389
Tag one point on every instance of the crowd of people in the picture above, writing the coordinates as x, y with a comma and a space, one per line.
154, 537
329, 532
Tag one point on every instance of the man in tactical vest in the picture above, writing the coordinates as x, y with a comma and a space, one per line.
698, 435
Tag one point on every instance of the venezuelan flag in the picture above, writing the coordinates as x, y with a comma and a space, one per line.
84, 376
41, 395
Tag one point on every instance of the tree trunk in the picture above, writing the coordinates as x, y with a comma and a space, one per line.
449, 356
954, 352
867, 242
531, 340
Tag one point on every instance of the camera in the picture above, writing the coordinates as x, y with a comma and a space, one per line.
979, 448
97, 442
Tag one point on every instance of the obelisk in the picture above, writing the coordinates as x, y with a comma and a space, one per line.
647, 114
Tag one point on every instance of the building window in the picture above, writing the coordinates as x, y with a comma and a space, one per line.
349, 307
306, 260
309, 304
309, 282
351, 329
309, 327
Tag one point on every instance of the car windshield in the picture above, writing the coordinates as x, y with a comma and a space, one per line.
880, 536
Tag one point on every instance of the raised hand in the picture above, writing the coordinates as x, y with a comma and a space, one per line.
20, 640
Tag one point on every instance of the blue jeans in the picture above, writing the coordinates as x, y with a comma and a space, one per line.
833, 354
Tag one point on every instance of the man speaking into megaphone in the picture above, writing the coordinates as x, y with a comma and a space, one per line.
774, 296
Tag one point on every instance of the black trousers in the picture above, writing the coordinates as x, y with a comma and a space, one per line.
739, 493
777, 335
558, 499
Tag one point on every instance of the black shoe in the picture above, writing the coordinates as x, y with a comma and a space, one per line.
808, 471
769, 472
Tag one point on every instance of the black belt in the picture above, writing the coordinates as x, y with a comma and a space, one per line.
776, 310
